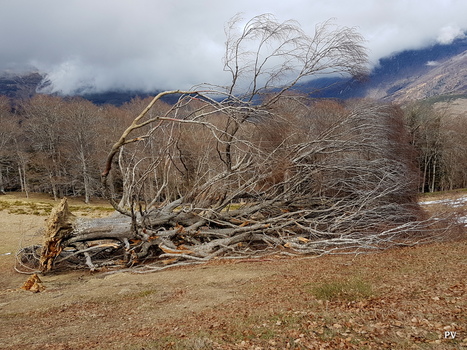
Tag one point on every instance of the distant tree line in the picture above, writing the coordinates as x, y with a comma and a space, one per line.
58, 145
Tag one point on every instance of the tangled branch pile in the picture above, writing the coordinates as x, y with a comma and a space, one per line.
265, 171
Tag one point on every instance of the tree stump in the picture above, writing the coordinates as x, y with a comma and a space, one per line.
59, 226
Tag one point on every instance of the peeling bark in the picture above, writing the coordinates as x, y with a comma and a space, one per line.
59, 226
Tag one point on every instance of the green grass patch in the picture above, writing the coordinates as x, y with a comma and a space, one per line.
442, 193
175, 343
17, 211
87, 208
41, 208
145, 293
4, 205
234, 206
348, 290
24, 207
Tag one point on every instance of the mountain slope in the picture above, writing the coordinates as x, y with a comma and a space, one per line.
397, 77
408, 75
19, 86
449, 77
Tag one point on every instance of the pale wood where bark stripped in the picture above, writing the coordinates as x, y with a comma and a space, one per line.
59, 226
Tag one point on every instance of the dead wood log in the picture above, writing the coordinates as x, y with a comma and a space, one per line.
33, 284
70, 242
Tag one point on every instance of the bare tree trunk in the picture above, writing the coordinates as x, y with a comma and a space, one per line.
22, 177
2, 187
21, 182
433, 175
426, 167
126, 181
53, 186
85, 175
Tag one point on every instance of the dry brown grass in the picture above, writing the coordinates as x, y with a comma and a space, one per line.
405, 298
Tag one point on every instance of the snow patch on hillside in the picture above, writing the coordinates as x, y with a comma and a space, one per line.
452, 202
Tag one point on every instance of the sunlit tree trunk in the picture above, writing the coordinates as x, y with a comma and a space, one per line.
2, 187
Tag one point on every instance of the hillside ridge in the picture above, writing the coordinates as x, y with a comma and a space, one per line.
408, 75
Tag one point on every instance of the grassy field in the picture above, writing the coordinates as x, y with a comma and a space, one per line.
403, 298
42, 204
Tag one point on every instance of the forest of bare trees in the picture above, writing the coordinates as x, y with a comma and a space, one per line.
244, 170
57, 145
439, 139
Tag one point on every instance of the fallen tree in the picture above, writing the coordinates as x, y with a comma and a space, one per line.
351, 188
254, 169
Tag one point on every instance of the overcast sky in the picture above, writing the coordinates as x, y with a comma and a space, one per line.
171, 44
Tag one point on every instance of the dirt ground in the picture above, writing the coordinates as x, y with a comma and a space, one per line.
403, 298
